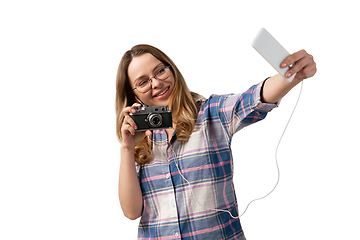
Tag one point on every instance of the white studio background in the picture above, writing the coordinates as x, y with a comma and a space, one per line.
59, 153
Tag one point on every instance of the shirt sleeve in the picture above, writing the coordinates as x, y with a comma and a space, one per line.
236, 111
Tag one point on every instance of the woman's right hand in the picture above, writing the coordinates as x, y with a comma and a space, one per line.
130, 138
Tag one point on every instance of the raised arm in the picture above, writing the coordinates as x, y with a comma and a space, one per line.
130, 194
302, 64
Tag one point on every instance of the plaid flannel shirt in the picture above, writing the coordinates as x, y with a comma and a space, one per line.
175, 210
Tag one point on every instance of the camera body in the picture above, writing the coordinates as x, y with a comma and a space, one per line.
152, 118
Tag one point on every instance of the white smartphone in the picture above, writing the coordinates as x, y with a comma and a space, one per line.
270, 49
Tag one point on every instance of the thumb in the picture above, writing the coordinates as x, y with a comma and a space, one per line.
148, 133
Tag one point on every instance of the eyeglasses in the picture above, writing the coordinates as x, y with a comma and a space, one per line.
144, 85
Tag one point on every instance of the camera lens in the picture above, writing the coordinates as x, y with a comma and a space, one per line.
154, 120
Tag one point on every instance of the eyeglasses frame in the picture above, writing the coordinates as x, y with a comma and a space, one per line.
150, 79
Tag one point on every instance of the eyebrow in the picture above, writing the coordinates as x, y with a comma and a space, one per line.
144, 76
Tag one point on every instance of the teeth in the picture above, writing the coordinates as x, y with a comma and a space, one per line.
162, 92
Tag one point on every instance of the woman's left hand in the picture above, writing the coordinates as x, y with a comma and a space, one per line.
302, 64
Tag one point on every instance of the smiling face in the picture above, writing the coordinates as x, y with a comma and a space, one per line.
141, 69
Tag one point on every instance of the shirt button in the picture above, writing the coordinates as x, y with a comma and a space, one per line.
176, 234
169, 150
167, 175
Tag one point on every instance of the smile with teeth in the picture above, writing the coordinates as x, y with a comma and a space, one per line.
162, 92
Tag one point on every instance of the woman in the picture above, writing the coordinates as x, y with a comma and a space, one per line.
179, 180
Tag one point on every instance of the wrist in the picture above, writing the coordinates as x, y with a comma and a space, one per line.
127, 149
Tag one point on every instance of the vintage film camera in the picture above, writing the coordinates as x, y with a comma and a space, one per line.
151, 118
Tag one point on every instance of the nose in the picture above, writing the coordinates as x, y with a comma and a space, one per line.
155, 83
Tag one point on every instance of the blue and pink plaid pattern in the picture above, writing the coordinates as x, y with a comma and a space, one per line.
175, 210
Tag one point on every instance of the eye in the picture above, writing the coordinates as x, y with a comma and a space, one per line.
142, 83
162, 70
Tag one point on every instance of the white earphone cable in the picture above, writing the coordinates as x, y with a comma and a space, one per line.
276, 160
277, 166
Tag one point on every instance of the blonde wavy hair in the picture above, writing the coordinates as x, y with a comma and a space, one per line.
183, 103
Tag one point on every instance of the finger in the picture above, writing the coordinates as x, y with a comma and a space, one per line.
148, 133
309, 71
131, 109
301, 65
128, 110
297, 67
136, 105
129, 121
290, 60
126, 128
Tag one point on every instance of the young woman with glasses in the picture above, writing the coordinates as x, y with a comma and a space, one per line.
179, 180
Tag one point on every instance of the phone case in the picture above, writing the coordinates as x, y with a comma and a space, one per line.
270, 49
